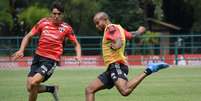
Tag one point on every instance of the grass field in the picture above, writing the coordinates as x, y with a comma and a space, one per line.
173, 84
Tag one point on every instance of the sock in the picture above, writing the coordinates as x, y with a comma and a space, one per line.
50, 89
147, 71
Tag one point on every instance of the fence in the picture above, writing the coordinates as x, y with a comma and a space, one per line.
164, 48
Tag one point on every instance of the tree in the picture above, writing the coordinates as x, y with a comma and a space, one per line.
178, 12
33, 14
158, 11
6, 21
79, 13
148, 8
150, 39
125, 12
196, 15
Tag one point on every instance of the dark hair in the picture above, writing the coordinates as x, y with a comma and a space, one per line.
57, 5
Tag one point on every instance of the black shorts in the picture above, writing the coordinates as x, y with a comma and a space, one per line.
114, 71
42, 65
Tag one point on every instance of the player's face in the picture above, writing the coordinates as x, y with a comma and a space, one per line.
56, 16
100, 24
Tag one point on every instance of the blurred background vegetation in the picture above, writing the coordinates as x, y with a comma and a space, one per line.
18, 16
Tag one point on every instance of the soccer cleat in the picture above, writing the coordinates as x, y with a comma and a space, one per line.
55, 93
154, 67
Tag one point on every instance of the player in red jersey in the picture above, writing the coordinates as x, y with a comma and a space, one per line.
52, 31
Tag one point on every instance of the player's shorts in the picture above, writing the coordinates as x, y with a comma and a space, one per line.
42, 65
114, 71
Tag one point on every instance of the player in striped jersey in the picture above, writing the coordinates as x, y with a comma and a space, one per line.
52, 32
113, 47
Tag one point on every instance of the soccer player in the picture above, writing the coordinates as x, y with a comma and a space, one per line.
113, 46
52, 31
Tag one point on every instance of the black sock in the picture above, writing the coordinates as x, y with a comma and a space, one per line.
50, 89
147, 71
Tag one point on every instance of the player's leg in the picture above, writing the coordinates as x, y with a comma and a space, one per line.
92, 88
126, 87
34, 79
102, 82
118, 74
48, 88
34, 87
45, 68
33, 84
41, 88
53, 89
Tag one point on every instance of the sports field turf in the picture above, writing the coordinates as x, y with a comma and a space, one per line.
173, 84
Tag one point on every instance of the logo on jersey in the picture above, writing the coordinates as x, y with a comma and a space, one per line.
113, 76
61, 29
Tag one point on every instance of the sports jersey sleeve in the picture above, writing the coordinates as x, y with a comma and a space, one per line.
128, 35
70, 34
37, 29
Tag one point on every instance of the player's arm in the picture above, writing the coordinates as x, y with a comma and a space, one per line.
71, 36
77, 50
114, 35
35, 30
24, 43
139, 31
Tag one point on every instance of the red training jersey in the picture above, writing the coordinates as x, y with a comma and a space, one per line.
51, 39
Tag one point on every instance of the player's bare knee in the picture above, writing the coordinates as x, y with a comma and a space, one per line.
28, 84
89, 90
33, 83
124, 92
29, 88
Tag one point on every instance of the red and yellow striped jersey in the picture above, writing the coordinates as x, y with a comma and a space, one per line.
113, 31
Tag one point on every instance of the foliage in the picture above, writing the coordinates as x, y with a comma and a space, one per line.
178, 12
128, 13
197, 15
150, 38
158, 11
42, 3
33, 14
79, 14
125, 12
5, 16
4, 4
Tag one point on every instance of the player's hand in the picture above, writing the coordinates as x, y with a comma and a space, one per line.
78, 59
17, 55
141, 29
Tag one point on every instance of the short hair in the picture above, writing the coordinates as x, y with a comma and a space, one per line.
58, 5
103, 15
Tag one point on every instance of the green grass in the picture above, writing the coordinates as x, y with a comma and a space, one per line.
173, 84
